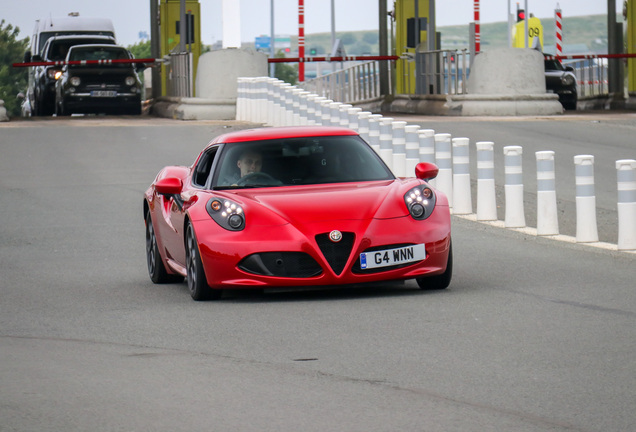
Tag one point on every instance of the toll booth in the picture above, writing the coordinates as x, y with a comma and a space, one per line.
410, 32
170, 29
631, 45
535, 30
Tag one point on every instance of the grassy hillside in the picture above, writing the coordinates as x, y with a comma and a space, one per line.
580, 35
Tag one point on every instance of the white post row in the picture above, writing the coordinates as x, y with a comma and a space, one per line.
626, 181
486, 195
462, 200
276, 103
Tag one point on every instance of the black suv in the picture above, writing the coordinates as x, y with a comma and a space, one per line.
562, 81
41, 90
100, 86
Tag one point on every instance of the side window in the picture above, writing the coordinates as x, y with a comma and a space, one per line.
204, 167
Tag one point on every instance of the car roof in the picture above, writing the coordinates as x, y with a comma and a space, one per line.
98, 46
269, 133
79, 36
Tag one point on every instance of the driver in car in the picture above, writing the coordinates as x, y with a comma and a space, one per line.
250, 162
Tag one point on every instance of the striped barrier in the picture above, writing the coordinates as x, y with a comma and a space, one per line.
515, 215
462, 201
443, 159
586, 227
486, 196
547, 217
626, 185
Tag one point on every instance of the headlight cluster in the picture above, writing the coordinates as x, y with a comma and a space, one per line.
567, 79
226, 213
130, 81
420, 201
75, 81
54, 74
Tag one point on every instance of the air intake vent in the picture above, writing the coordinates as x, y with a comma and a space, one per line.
281, 264
336, 253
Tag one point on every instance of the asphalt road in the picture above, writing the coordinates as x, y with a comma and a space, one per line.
533, 334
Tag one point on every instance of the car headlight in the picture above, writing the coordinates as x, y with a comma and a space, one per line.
130, 81
54, 74
567, 80
226, 213
75, 81
420, 201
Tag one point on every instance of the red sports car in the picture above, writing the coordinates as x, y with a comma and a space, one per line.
294, 207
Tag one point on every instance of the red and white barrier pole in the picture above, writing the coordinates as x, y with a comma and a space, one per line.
301, 39
477, 31
559, 30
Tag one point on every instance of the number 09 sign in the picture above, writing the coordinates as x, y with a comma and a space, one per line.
535, 29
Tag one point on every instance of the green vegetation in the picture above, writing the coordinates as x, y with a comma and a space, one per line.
12, 80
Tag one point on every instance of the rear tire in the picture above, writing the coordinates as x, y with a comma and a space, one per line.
440, 281
156, 269
197, 282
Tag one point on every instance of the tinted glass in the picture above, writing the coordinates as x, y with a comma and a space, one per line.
299, 161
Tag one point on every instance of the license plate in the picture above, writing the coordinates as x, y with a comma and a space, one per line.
103, 93
391, 257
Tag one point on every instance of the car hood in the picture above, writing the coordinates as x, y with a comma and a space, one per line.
318, 203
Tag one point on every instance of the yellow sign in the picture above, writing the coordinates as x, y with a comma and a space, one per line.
535, 30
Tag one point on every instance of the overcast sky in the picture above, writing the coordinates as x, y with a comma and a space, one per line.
132, 16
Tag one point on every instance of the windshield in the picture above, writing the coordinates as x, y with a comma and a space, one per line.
299, 161
97, 53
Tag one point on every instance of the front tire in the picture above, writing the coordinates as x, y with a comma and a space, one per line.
440, 281
197, 283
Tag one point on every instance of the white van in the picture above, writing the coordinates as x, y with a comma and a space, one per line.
71, 24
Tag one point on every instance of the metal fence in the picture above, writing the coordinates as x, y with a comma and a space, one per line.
356, 83
591, 76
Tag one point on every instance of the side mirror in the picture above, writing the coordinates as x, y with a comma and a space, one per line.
569, 68
169, 186
36, 58
27, 57
426, 171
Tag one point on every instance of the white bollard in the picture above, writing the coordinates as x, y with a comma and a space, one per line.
412, 148
462, 200
399, 148
334, 107
626, 181
586, 227
317, 117
326, 112
444, 161
302, 102
515, 216
311, 109
363, 125
427, 145
547, 217
486, 196
240, 98
386, 141
344, 115
287, 105
295, 119
374, 132
279, 103
269, 106
353, 118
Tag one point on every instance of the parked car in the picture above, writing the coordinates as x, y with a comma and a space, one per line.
111, 88
294, 207
41, 92
562, 81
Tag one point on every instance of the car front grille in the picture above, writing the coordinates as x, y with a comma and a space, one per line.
281, 264
336, 253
